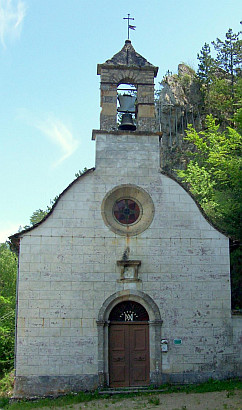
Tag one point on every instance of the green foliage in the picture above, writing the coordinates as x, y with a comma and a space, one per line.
219, 78
214, 174
203, 187
8, 273
206, 67
185, 81
185, 78
220, 101
60, 402
154, 400
39, 214
79, 173
6, 384
229, 55
214, 178
238, 105
219, 193
4, 401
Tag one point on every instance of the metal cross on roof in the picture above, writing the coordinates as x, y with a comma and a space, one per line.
130, 27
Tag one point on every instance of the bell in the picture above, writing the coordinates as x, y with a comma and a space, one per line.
127, 123
127, 103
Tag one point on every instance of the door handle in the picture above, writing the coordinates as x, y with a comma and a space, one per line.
118, 359
140, 358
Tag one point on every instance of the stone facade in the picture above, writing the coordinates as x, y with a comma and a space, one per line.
68, 269
72, 272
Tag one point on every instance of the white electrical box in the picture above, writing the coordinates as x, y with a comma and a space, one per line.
164, 345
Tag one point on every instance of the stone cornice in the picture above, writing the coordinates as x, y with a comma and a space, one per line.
120, 132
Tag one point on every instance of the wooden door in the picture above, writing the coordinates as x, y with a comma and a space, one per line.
129, 354
139, 354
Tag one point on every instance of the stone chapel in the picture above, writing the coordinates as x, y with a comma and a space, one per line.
124, 283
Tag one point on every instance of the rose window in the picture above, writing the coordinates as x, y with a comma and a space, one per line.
126, 211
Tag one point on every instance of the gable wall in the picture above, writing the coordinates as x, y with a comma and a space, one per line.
68, 269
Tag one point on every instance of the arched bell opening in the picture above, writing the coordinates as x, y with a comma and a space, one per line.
126, 106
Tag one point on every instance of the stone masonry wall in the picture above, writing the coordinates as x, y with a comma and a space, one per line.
67, 269
144, 81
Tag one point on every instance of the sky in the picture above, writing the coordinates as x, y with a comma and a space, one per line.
49, 88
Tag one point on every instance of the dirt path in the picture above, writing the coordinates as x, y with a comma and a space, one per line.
175, 401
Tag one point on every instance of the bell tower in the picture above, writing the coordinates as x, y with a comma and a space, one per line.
129, 68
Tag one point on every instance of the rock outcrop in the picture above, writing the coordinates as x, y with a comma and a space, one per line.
178, 105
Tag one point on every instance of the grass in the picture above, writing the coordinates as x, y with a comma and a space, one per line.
51, 402
81, 397
6, 384
154, 400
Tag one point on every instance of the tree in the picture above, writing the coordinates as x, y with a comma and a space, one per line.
38, 215
8, 273
213, 175
229, 56
221, 102
206, 64
218, 77
206, 73
238, 113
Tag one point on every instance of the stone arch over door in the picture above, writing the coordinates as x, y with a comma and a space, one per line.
155, 323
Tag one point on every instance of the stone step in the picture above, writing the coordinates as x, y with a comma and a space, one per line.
130, 390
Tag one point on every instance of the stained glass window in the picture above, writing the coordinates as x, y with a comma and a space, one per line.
126, 211
129, 312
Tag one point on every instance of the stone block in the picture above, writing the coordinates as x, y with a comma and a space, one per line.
29, 313
87, 323
24, 267
49, 332
24, 332
60, 323
73, 332
31, 239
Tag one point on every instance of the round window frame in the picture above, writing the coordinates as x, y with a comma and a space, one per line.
135, 193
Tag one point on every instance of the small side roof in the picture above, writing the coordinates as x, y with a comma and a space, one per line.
127, 56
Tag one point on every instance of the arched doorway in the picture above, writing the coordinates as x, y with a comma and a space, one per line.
103, 324
129, 355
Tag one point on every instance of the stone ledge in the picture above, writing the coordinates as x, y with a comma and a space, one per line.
130, 390
236, 312
129, 280
117, 132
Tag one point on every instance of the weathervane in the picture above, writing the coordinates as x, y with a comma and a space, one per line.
130, 27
